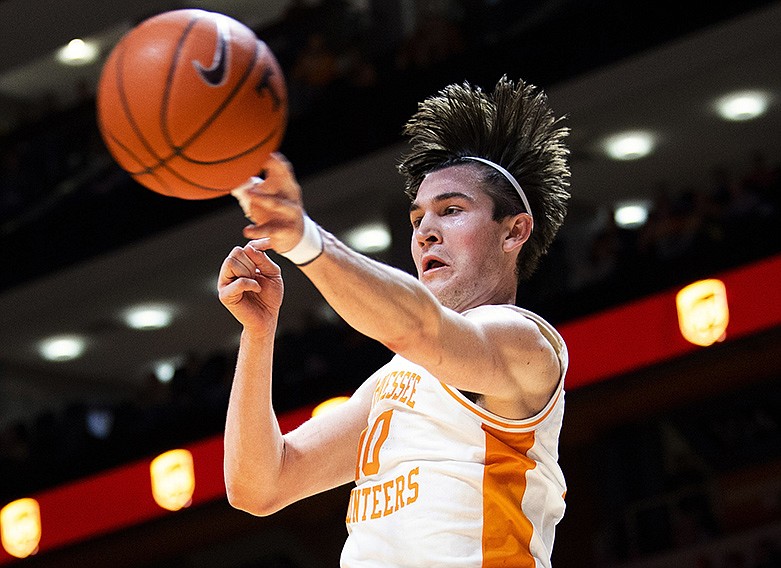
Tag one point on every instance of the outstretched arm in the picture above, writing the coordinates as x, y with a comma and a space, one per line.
264, 470
491, 351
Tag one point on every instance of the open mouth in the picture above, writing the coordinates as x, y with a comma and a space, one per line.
432, 264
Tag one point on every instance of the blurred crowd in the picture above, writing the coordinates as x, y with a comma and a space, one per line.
344, 62
61, 445
703, 474
690, 233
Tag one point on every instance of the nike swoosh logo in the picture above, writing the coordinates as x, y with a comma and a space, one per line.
215, 75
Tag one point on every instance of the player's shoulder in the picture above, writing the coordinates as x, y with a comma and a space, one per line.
512, 315
506, 313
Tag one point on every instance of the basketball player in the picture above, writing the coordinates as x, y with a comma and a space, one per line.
453, 444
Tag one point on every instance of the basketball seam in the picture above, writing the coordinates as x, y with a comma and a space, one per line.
167, 91
234, 156
182, 149
162, 162
153, 171
129, 115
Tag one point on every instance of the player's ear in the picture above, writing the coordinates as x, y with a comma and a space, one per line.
519, 229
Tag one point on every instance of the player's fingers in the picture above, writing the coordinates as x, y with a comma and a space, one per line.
283, 224
236, 265
270, 197
246, 186
233, 292
281, 234
255, 250
278, 165
270, 204
239, 286
258, 245
279, 179
266, 209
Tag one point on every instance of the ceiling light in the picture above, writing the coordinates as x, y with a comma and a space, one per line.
211, 285
369, 238
149, 317
62, 347
165, 371
99, 422
631, 214
629, 145
78, 52
743, 105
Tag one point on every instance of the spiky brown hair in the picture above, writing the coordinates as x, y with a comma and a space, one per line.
514, 127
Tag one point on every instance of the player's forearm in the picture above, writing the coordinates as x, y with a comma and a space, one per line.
380, 301
254, 447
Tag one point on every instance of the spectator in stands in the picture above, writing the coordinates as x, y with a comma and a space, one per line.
14, 183
316, 68
436, 38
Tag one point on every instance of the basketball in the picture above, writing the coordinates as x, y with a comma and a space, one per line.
190, 103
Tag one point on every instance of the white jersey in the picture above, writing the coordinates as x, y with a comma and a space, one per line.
442, 482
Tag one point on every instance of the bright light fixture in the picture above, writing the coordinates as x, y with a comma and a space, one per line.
629, 145
99, 422
210, 284
173, 479
150, 316
165, 371
328, 405
78, 52
631, 214
369, 238
703, 312
20, 527
62, 347
743, 105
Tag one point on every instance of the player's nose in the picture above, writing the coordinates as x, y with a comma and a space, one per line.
427, 232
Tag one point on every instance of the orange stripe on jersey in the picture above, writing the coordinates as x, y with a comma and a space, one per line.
507, 532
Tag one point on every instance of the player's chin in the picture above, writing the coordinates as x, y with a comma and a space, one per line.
436, 276
436, 286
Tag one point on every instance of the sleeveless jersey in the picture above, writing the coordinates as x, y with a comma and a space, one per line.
441, 482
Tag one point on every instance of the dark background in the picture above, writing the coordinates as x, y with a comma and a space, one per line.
674, 465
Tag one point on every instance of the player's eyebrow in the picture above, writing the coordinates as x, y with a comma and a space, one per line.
443, 197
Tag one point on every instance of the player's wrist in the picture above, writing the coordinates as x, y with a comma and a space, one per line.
309, 247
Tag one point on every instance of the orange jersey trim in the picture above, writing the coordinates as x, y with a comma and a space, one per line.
497, 421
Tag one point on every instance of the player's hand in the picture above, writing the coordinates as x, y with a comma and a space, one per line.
250, 286
274, 205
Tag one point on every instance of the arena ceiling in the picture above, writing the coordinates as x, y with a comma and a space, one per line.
667, 85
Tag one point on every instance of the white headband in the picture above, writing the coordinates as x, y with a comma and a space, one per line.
509, 177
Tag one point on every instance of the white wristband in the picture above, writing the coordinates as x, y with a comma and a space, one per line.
309, 247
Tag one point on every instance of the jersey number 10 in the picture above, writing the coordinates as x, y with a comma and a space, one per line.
368, 460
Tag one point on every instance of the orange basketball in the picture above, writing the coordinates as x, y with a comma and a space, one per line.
190, 103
